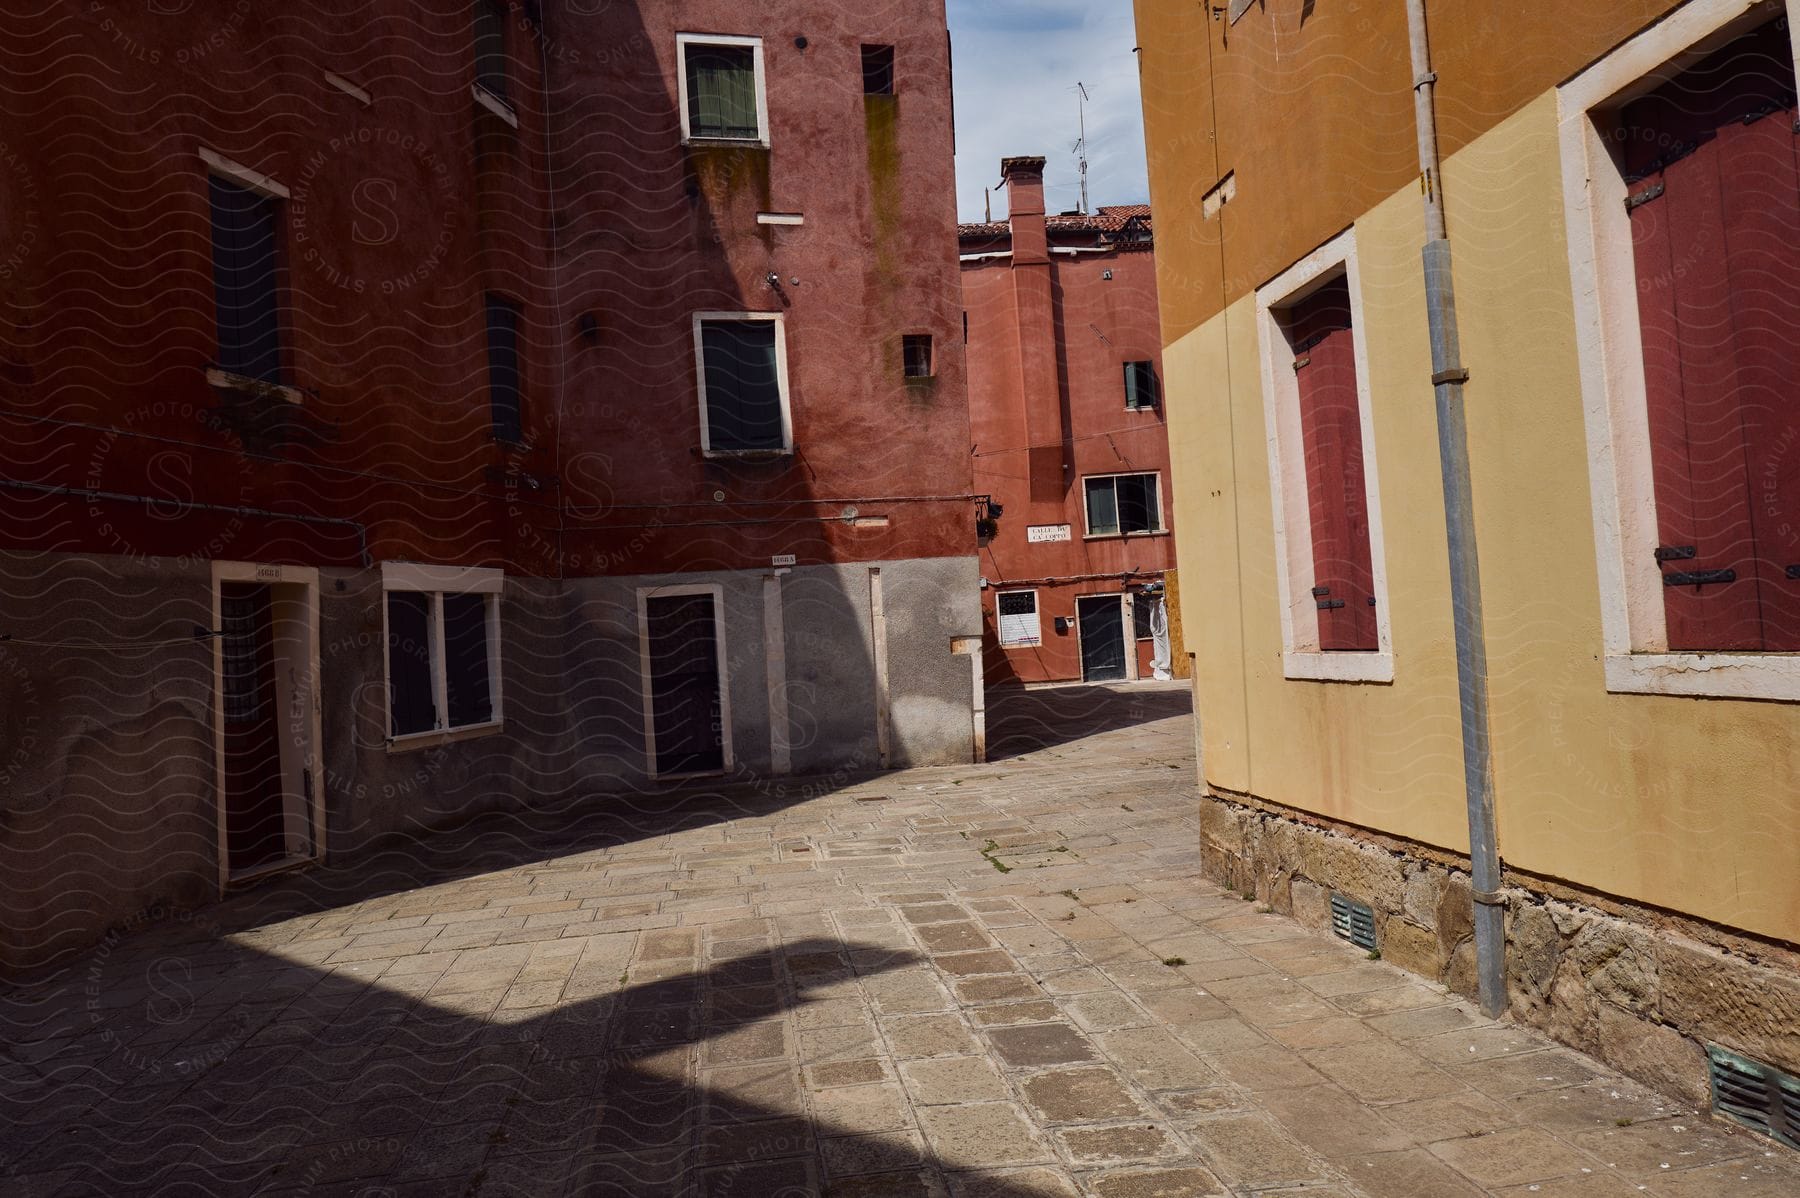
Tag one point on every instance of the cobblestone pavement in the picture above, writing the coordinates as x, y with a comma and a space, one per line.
1003, 980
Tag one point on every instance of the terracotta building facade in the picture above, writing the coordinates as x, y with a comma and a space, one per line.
1066, 411
1619, 199
408, 411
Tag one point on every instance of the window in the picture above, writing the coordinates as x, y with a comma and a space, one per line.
1683, 207
490, 48
443, 648
915, 350
504, 402
1140, 385
1324, 367
681, 640
742, 365
1017, 612
1143, 620
1123, 504
1324, 495
1715, 223
878, 70
245, 227
721, 84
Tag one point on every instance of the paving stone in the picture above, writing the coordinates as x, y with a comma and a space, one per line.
1123, 1142
1189, 1181
997, 988
952, 1079
981, 1135
989, 961
952, 937
1080, 1096
1512, 1157
1040, 1044
1014, 1183
846, 1073
1002, 1014
881, 1152
852, 1109
928, 1036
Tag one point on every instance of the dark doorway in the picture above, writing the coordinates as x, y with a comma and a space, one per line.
1101, 619
255, 810
686, 704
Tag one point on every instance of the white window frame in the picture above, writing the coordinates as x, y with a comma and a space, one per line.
1609, 345
1301, 657
781, 382
437, 581
1162, 510
644, 595
1037, 617
682, 42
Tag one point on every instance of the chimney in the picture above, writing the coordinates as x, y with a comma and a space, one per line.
1040, 387
1024, 182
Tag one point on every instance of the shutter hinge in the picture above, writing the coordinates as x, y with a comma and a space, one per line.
1793, 571
1320, 592
1675, 553
1643, 197
1301, 363
1328, 604
1699, 578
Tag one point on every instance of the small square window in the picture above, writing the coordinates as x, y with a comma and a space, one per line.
1140, 385
878, 70
916, 351
505, 403
722, 89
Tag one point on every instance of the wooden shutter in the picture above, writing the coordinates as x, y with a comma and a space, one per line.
411, 706
1714, 206
743, 385
467, 691
1331, 435
245, 227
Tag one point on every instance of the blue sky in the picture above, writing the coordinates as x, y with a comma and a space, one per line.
1017, 62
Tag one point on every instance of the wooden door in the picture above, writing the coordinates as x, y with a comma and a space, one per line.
255, 816
1102, 628
686, 701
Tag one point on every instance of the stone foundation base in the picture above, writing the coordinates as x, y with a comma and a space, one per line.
1641, 989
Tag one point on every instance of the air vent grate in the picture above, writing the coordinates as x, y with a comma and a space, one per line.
1353, 921
1756, 1095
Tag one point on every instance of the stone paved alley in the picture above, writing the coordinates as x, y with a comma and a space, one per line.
1001, 980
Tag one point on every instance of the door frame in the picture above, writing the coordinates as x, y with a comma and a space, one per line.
301, 767
1123, 599
644, 595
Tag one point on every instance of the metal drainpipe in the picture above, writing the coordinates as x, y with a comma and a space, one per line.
1447, 379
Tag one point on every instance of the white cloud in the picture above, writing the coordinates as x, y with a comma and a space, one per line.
1017, 63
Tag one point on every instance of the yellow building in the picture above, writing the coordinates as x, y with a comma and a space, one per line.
1623, 238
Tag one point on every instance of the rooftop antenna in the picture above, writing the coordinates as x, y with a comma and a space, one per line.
987, 204
1080, 146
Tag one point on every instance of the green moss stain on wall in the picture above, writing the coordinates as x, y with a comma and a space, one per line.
881, 125
724, 175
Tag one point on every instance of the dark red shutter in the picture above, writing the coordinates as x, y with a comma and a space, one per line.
1331, 434
1715, 217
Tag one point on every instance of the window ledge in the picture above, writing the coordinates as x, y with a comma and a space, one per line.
1773, 677
412, 742
1123, 536
494, 104
1037, 644
733, 143
1338, 666
747, 455
225, 380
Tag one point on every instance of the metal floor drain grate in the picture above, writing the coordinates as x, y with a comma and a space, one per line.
1353, 921
1759, 1096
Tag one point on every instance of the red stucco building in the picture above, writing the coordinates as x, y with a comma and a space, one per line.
1065, 403
409, 410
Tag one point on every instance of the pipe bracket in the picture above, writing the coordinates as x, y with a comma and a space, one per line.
1489, 898
1456, 374
1425, 80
